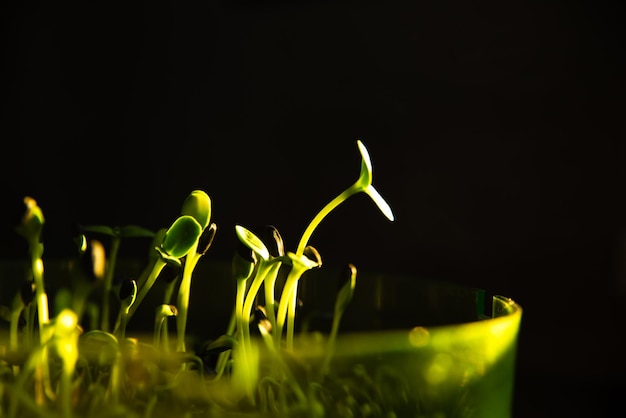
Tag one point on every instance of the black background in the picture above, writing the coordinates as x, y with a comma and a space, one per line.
496, 131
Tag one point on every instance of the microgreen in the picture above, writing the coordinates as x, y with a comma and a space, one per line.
107, 366
362, 184
128, 295
116, 234
31, 228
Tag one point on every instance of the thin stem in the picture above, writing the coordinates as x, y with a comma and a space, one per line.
40, 295
158, 265
167, 299
291, 380
21, 396
66, 394
16, 313
241, 323
243, 349
263, 270
29, 315
269, 287
291, 317
158, 326
116, 378
182, 304
233, 324
304, 240
289, 293
331, 344
108, 283
121, 331
222, 358
32, 365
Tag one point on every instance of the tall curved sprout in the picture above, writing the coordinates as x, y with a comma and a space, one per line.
362, 184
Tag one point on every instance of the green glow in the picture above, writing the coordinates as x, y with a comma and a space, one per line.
462, 369
362, 184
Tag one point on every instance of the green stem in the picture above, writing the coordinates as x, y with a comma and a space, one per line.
264, 271
116, 378
241, 323
222, 358
21, 396
16, 312
285, 307
243, 346
158, 326
291, 317
259, 277
158, 265
30, 315
182, 304
108, 283
291, 380
30, 366
322, 214
121, 331
269, 287
233, 323
66, 394
40, 295
331, 344
164, 333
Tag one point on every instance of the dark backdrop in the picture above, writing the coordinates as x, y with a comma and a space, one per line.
496, 131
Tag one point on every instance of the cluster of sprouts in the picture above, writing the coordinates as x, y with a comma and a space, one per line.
56, 365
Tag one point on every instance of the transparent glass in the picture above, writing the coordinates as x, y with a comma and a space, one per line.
423, 348
407, 347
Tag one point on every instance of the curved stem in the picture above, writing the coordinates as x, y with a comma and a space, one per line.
16, 313
121, 331
269, 287
222, 358
108, 283
322, 214
291, 317
66, 394
29, 314
167, 299
243, 346
247, 302
158, 326
158, 265
182, 304
331, 344
285, 305
241, 323
40, 295
290, 378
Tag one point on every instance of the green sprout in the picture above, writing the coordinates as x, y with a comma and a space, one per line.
161, 314
21, 301
197, 206
65, 342
128, 295
52, 378
341, 303
362, 184
116, 234
242, 266
288, 300
180, 241
31, 228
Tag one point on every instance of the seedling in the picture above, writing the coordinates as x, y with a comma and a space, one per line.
71, 372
